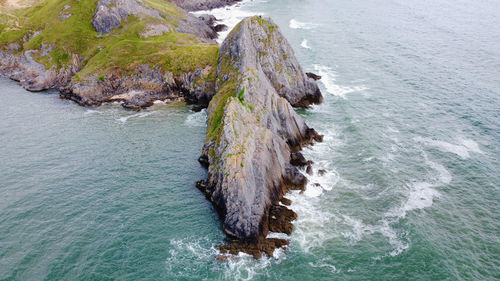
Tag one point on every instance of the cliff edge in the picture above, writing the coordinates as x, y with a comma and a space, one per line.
254, 135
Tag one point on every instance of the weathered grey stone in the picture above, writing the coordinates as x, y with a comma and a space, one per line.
32, 75
256, 128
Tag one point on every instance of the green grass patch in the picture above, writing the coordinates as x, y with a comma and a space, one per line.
123, 49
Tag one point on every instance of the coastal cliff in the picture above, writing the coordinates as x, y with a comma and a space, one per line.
254, 135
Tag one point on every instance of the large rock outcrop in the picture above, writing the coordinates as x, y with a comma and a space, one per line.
252, 132
32, 75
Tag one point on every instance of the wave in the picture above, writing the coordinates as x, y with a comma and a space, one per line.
328, 80
304, 44
230, 16
202, 251
136, 115
197, 119
294, 24
309, 231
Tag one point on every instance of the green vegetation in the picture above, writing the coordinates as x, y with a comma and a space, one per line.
121, 51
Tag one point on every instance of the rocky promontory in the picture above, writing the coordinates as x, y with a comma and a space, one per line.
253, 133
128, 51
138, 51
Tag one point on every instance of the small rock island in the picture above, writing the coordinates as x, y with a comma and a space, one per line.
253, 134
139, 51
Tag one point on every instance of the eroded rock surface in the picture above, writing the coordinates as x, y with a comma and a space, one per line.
252, 131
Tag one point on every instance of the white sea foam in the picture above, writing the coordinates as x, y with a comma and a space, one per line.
230, 16
310, 226
309, 232
295, 24
304, 44
421, 196
197, 119
136, 115
325, 263
91, 112
444, 176
329, 81
202, 251
462, 149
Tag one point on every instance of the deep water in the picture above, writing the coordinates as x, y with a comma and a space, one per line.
411, 120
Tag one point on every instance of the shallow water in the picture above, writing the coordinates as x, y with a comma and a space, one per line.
411, 120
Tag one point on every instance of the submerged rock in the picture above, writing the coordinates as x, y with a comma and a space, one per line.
252, 131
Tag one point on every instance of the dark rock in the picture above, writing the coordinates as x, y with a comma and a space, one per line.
313, 76
286, 201
253, 247
220, 27
309, 170
204, 161
208, 19
321, 172
294, 179
297, 159
280, 219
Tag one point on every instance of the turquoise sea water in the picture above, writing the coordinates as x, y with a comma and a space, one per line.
411, 120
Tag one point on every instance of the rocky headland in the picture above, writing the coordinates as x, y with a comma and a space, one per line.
128, 51
254, 135
138, 51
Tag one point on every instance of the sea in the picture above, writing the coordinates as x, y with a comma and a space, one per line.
411, 150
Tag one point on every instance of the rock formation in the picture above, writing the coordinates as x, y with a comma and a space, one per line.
254, 134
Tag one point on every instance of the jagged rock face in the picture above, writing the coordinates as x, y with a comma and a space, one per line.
278, 62
253, 129
140, 89
32, 75
110, 13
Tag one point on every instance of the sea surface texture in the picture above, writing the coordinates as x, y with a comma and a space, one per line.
411, 119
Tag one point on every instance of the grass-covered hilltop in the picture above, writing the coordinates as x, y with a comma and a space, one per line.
139, 51
96, 51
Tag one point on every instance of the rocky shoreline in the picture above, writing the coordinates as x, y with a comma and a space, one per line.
135, 88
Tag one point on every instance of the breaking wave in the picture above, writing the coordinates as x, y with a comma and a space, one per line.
328, 80
294, 24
